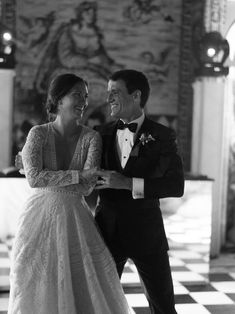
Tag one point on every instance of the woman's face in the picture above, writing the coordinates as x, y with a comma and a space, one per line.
88, 15
73, 104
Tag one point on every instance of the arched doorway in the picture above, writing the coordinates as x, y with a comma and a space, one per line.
229, 228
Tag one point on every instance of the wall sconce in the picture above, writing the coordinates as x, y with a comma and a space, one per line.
213, 51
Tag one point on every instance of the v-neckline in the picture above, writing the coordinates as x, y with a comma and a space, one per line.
54, 148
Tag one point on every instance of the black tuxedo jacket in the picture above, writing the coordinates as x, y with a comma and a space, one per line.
136, 225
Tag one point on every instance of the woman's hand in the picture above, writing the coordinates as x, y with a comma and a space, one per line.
88, 176
19, 163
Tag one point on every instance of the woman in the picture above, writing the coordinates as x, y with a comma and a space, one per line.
59, 261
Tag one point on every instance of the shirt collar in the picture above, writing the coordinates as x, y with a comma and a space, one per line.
139, 121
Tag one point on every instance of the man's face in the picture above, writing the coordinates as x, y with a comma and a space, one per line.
120, 101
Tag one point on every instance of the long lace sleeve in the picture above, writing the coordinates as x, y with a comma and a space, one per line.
33, 163
93, 160
94, 152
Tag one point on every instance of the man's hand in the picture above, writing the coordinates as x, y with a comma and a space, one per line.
112, 180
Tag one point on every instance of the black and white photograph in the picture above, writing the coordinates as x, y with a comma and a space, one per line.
117, 157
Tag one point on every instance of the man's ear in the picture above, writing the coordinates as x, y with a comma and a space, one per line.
137, 95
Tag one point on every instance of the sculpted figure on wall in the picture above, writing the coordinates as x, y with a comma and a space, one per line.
143, 11
77, 46
39, 29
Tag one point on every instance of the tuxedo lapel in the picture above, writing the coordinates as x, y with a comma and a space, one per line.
144, 128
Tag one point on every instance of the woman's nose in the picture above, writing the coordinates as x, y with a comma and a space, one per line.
109, 98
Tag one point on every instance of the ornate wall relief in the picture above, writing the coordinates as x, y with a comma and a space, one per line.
8, 14
192, 29
93, 39
215, 15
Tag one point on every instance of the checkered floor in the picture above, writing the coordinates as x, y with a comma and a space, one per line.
196, 292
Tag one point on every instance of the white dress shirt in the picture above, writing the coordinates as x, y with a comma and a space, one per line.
125, 140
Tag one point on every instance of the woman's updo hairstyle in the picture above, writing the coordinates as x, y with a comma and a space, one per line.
58, 88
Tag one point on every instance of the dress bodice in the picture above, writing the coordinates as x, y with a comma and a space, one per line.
40, 163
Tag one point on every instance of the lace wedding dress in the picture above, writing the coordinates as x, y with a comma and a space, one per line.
60, 264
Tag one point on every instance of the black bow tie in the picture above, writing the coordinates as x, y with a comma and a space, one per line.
131, 126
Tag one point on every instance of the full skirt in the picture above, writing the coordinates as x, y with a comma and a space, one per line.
60, 264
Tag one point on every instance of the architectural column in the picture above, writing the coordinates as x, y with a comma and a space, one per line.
210, 135
230, 230
215, 15
6, 116
210, 149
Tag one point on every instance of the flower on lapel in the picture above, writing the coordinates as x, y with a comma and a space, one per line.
145, 138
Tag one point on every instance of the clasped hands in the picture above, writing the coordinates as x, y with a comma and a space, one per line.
102, 179
106, 179
109, 179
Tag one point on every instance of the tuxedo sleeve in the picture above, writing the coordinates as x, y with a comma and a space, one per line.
167, 178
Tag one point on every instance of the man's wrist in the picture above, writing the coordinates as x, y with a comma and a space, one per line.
138, 188
128, 184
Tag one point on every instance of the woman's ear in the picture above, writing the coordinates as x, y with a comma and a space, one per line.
60, 103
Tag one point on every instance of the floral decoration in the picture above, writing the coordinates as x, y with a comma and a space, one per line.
145, 138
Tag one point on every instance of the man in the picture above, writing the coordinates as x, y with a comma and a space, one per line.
141, 165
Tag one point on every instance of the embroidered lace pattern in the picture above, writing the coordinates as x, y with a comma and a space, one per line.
60, 264
39, 159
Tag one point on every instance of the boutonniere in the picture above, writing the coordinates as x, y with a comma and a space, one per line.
145, 138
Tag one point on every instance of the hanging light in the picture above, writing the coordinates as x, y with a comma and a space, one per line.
213, 52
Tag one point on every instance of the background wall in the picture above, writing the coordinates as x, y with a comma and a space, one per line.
93, 39
192, 29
